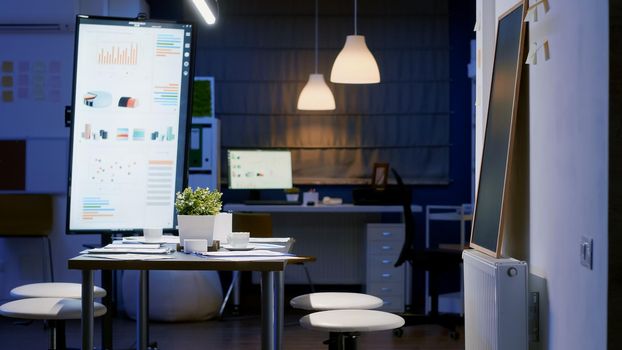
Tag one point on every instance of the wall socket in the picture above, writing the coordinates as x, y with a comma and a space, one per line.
587, 251
534, 317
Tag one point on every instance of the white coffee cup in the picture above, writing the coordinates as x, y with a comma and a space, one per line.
152, 234
239, 239
195, 245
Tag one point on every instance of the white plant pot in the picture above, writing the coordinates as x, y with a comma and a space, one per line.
196, 227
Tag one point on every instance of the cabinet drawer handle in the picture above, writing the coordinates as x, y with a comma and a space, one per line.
385, 302
386, 274
386, 261
386, 247
385, 289
386, 234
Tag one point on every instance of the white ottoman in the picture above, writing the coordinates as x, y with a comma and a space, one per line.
54, 290
344, 325
55, 310
335, 301
175, 295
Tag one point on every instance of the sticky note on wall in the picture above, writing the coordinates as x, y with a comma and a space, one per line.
7, 81
7, 96
7, 66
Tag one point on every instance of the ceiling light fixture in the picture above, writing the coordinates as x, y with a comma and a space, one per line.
205, 11
316, 95
355, 64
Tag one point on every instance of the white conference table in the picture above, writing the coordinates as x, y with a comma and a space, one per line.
271, 291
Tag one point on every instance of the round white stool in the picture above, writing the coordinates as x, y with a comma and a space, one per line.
344, 325
335, 301
55, 310
54, 290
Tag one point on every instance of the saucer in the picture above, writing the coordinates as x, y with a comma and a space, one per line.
248, 247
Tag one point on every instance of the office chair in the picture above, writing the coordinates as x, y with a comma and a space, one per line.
435, 261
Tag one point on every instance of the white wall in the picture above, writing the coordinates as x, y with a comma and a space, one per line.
40, 121
567, 159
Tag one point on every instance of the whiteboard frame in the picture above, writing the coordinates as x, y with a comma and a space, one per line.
517, 81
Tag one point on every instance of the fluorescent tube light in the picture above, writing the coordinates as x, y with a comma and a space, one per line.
205, 11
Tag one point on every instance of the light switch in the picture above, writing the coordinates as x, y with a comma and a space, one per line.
587, 250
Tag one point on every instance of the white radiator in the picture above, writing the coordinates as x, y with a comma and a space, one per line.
495, 302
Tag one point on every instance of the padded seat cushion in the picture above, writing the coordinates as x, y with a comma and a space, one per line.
335, 301
54, 290
47, 309
351, 321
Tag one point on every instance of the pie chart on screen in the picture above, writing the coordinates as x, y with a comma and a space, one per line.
97, 99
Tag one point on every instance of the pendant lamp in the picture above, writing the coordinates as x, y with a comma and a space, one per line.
316, 95
355, 64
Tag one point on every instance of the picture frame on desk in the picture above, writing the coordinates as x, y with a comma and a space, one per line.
380, 175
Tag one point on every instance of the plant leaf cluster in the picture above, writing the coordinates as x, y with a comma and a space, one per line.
201, 201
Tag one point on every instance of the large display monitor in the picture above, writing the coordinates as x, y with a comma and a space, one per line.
260, 169
131, 99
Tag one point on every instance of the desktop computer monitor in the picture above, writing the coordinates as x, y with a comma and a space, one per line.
259, 169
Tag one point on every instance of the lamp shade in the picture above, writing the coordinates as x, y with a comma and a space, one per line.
316, 95
355, 64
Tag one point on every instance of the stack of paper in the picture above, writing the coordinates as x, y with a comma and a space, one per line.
141, 239
251, 255
121, 248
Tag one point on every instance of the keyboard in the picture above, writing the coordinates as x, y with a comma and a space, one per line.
269, 202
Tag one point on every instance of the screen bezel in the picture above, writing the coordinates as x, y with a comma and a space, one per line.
510, 140
229, 182
184, 118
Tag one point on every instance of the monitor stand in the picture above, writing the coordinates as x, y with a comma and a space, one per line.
255, 199
254, 195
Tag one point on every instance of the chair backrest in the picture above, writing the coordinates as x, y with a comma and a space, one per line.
258, 224
26, 214
409, 222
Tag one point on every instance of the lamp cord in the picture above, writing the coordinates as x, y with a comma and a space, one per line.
355, 24
316, 35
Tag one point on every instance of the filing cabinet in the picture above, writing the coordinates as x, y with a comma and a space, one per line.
384, 243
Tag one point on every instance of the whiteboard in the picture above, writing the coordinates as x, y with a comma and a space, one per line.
488, 216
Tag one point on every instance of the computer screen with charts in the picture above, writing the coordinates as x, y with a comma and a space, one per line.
260, 169
131, 98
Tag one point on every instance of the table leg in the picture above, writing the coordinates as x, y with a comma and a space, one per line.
267, 311
141, 311
108, 301
279, 301
87, 310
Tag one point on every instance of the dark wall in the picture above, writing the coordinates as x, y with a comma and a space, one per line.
461, 22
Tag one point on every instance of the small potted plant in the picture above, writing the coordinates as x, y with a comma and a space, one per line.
196, 213
291, 194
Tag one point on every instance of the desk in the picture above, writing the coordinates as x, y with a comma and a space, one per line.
271, 291
334, 234
335, 209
